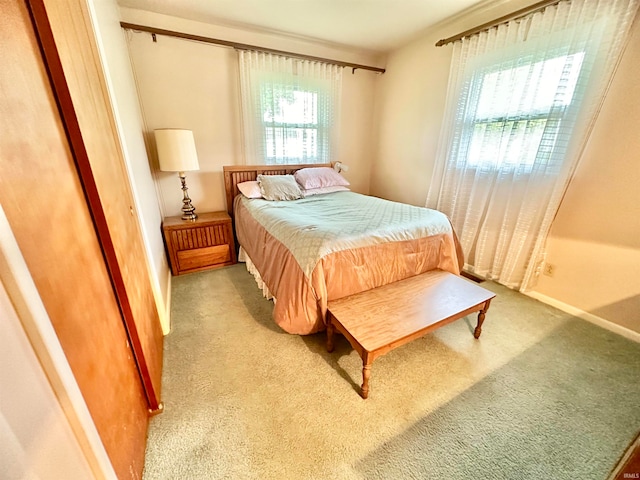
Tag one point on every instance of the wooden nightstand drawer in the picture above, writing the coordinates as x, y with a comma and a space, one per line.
216, 255
200, 244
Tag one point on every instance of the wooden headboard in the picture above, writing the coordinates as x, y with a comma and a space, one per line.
235, 174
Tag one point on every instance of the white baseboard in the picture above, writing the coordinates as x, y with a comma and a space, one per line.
166, 320
589, 317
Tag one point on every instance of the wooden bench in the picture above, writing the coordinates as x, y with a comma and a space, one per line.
379, 320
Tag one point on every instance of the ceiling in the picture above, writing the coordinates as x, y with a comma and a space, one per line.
378, 25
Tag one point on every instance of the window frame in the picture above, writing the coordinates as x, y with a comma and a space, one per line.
321, 133
475, 81
324, 110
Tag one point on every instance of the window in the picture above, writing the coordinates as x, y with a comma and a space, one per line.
291, 123
521, 99
290, 109
512, 133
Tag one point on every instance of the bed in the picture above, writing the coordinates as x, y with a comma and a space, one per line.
308, 251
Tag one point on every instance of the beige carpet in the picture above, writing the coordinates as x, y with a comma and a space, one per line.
539, 395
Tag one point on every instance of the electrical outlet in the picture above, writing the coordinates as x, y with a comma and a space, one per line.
549, 269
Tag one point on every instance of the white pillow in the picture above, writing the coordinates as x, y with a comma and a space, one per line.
317, 191
316, 177
250, 189
279, 187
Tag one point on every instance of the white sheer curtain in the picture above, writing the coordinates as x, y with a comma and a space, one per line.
290, 109
521, 101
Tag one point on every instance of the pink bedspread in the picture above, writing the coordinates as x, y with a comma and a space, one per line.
345, 264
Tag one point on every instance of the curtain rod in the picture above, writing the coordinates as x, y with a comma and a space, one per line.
244, 46
536, 7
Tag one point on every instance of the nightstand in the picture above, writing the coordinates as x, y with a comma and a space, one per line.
200, 244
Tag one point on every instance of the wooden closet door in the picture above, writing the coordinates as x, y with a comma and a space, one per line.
45, 203
71, 52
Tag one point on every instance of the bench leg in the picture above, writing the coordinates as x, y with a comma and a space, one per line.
481, 315
330, 331
366, 375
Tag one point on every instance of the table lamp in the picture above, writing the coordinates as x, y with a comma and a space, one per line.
177, 153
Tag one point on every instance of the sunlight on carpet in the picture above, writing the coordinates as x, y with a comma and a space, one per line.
540, 395
565, 408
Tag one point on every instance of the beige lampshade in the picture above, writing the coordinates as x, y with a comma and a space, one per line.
176, 150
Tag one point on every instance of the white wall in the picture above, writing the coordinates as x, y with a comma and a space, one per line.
192, 85
117, 66
595, 240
